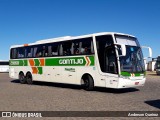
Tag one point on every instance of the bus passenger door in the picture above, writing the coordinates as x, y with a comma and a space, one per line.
111, 67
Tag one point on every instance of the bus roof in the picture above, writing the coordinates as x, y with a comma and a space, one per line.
70, 38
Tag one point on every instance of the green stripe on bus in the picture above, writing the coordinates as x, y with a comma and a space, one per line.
77, 61
64, 61
36, 61
18, 62
130, 74
70, 61
92, 60
40, 70
125, 74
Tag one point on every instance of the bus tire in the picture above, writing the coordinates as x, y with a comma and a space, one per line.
22, 78
88, 83
29, 78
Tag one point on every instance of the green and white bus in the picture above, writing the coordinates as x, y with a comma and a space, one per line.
108, 59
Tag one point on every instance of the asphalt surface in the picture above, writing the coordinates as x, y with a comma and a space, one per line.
43, 96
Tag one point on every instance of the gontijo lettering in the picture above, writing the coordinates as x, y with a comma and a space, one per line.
71, 61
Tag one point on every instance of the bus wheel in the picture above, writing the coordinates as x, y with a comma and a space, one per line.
29, 78
22, 78
88, 83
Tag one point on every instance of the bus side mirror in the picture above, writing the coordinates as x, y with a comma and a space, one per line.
123, 49
149, 49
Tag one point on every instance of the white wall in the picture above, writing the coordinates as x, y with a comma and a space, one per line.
151, 65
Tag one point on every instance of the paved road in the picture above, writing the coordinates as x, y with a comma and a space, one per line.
57, 97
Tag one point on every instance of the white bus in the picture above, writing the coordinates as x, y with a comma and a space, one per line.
111, 60
4, 66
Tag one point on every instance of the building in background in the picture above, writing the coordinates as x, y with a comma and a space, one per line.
152, 65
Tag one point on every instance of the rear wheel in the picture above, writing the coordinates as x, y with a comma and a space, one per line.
22, 78
88, 83
29, 78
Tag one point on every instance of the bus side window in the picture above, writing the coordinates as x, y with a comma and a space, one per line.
86, 46
35, 51
39, 51
29, 52
49, 51
61, 50
72, 48
55, 49
20, 52
67, 48
76, 48
42, 51
25, 52
13, 53
83, 46
16, 53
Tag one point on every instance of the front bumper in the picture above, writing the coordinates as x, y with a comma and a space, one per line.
131, 82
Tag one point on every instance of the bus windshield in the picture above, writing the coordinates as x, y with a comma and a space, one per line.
133, 61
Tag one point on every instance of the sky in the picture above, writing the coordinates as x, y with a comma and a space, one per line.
26, 21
